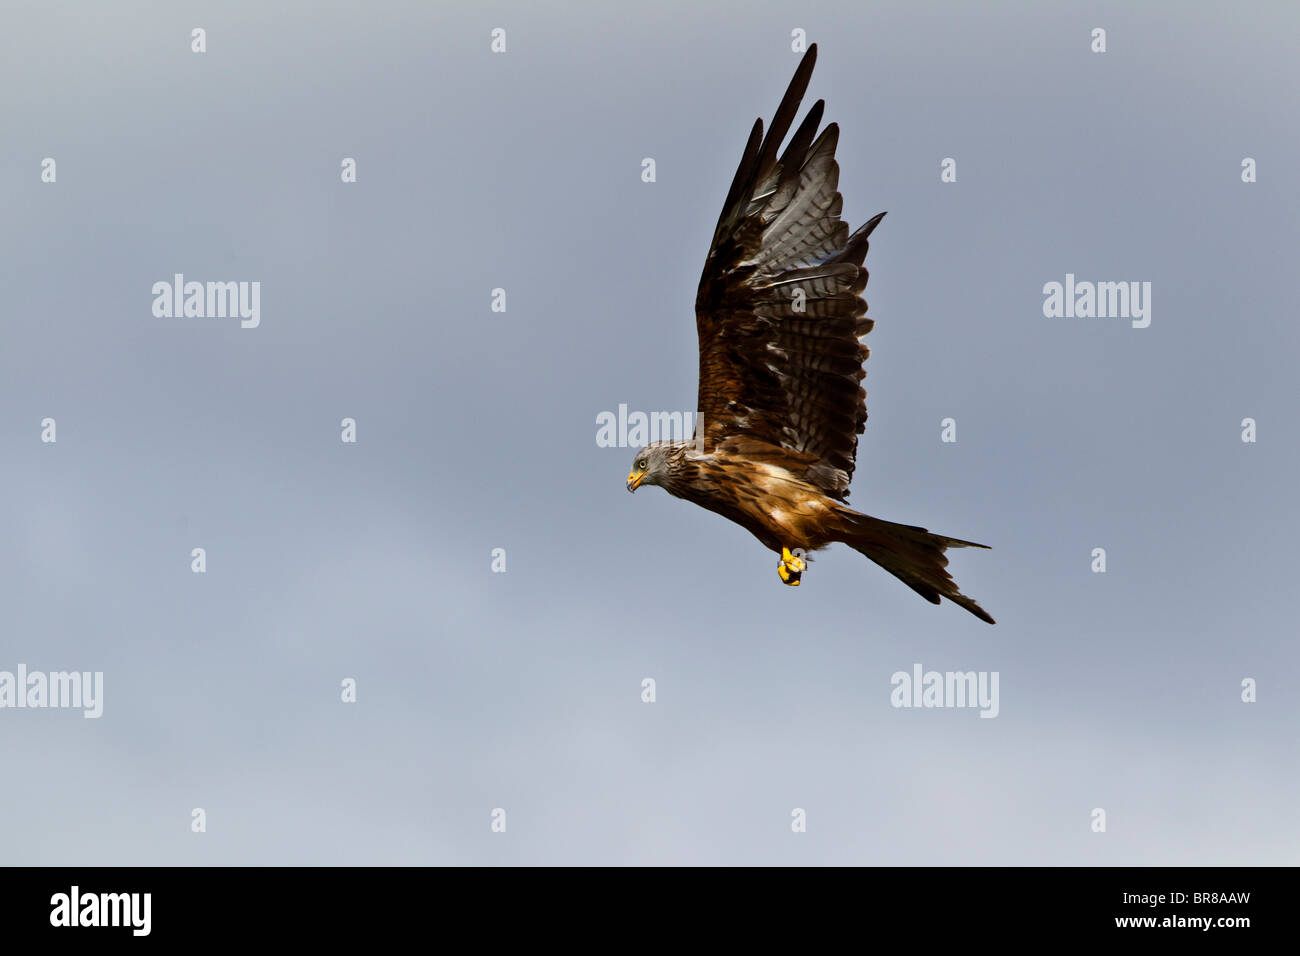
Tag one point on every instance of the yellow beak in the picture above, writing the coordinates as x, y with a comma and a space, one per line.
634, 480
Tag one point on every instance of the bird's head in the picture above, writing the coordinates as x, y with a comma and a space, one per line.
650, 466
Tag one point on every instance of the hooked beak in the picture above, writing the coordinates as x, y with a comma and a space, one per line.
634, 480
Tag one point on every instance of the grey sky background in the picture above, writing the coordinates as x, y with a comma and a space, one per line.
477, 430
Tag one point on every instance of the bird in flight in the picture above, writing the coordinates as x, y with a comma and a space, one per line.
779, 315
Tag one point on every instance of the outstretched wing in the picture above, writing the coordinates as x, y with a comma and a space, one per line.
779, 308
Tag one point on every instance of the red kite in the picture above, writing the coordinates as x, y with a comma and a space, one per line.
779, 314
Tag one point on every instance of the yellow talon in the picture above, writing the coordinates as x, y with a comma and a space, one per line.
791, 568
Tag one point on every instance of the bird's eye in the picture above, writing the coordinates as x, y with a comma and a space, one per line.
641, 464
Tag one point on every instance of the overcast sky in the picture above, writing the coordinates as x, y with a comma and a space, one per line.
476, 430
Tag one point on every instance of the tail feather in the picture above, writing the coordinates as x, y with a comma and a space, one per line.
913, 555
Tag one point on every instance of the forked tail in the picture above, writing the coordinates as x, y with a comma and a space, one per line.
911, 554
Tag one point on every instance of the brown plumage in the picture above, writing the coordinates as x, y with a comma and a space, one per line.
779, 314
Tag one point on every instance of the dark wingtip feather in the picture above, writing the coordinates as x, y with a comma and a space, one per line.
794, 155
743, 171
785, 113
962, 601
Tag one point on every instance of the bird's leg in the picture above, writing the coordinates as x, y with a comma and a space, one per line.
791, 568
